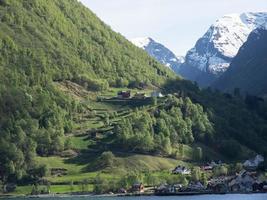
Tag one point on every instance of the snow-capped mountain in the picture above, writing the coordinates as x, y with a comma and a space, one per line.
248, 69
214, 52
159, 52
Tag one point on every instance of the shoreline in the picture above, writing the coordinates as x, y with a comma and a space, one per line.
123, 195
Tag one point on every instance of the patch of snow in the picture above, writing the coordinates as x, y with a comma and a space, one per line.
141, 42
159, 52
231, 31
220, 44
195, 59
181, 59
217, 65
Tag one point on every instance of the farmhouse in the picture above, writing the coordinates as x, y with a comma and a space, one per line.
181, 170
138, 187
139, 95
124, 94
156, 94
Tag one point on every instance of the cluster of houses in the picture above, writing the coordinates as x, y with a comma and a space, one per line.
138, 95
185, 171
248, 180
243, 182
254, 163
211, 165
175, 189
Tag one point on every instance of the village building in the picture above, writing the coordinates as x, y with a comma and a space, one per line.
139, 95
258, 186
124, 94
254, 163
219, 184
243, 182
122, 191
168, 189
211, 165
181, 170
156, 94
196, 186
162, 189
207, 168
138, 187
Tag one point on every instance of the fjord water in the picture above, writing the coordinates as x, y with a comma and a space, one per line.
201, 197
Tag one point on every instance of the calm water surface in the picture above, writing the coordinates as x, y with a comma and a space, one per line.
201, 197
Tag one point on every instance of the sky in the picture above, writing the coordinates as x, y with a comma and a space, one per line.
177, 24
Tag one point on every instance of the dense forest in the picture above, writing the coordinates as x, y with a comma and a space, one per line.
163, 128
237, 120
230, 124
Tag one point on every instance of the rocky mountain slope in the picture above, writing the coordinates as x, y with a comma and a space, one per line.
248, 70
159, 52
214, 52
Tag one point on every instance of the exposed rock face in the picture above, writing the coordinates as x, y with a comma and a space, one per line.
248, 70
213, 53
159, 52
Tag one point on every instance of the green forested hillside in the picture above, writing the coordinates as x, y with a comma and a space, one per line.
163, 128
43, 41
237, 120
56, 40
60, 66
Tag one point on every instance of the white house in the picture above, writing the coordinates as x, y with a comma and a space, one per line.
181, 170
156, 94
252, 164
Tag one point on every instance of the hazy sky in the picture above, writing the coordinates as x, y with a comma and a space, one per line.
175, 23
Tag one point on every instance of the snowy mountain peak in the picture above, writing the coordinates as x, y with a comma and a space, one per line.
159, 52
142, 42
231, 31
214, 51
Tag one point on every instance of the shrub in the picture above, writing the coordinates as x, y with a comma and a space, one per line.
107, 159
